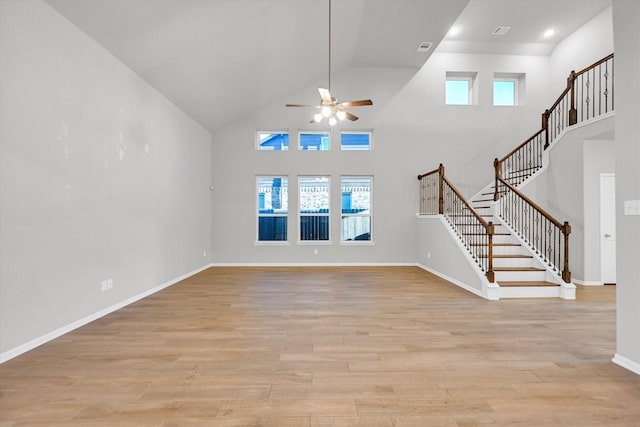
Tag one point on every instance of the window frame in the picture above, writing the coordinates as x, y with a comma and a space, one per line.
275, 132
470, 78
314, 132
274, 214
360, 132
515, 91
520, 87
369, 215
302, 241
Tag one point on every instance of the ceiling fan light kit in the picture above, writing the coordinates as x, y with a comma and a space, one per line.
330, 109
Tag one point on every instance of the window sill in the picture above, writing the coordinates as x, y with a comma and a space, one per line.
271, 243
314, 242
358, 243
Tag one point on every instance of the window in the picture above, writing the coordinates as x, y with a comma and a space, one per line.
460, 88
273, 202
273, 141
507, 88
314, 141
314, 201
504, 92
356, 208
355, 141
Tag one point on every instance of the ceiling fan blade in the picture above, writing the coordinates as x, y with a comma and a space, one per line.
325, 95
302, 105
350, 116
360, 103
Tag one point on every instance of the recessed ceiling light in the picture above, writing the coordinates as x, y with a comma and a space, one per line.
549, 33
454, 31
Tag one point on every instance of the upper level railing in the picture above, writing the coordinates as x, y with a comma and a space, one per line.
589, 93
439, 196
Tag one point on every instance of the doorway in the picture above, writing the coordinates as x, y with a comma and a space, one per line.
608, 228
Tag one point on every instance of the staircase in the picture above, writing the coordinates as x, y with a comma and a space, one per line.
522, 250
517, 271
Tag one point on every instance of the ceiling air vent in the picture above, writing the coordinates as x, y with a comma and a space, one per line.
500, 31
424, 46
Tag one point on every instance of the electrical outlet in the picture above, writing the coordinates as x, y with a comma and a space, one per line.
315, 252
428, 254
106, 285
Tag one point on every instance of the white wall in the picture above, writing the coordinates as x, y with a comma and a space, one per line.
101, 178
439, 253
588, 44
414, 131
626, 15
562, 191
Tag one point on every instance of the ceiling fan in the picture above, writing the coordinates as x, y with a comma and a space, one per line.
330, 108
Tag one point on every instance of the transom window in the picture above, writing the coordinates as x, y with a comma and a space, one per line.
272, 141
318, 141
314, 199
273, 208
355, 141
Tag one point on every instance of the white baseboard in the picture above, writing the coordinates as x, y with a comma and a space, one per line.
17, 351
587, 282
313, 264
452, 280
626, 363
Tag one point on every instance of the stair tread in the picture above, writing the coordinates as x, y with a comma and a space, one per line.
533, 283
517, 269
481, 200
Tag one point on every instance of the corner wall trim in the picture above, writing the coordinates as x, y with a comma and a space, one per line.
23, 348
629, 364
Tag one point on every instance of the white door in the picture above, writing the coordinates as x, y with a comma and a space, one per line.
608, 227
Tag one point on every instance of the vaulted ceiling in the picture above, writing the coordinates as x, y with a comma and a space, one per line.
219, 60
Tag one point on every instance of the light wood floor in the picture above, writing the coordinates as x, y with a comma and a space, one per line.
329, 347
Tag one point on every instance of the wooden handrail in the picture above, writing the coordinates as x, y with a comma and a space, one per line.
531, 203
565, 228
559, 100
482, 221
452, 213
595, 64
436, 170
520, 146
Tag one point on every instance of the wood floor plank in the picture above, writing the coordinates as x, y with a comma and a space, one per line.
329, 346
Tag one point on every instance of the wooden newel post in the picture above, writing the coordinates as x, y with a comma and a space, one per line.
545, 126
498, 174
573, 112
440, 189
490, 274
566, 274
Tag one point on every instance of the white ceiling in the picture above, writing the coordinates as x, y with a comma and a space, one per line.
220, 60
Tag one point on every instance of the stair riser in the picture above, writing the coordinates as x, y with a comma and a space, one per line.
514, 262
519, 276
